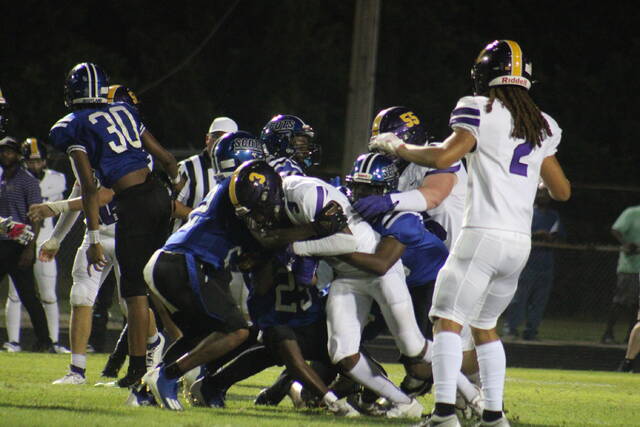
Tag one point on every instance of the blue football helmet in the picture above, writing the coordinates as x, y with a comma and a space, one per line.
4, 110
256, 194
232, 150
119, 93
288, 136
402, 122
372, 174
86, 83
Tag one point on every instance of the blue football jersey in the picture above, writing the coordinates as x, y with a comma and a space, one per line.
212, 231
109, 134
424, 254
291, 300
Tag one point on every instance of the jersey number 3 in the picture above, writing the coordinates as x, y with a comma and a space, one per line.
115, 119
516, 166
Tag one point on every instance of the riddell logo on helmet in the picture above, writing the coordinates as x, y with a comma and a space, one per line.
510, 80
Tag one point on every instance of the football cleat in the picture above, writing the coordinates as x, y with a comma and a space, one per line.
60, 349
71, 378
132, 378
500, 422
368, 408
202, 393
154, 353
341, 408
164, 390
187, 380
12, 347
295, 394
413, 409
265, 399
140, 396
436, 420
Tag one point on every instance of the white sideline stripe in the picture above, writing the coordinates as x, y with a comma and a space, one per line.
571, 383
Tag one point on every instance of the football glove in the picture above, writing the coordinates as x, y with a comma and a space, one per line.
20, 233
371, 206
330, 220
386, 142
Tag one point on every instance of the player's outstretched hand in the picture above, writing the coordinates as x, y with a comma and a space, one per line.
386, 142
371, 206
40, 211
95, 258
331, 219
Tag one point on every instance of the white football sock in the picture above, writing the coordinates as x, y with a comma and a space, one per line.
12, 319
468, 390
152, 339
493, 366
53, 319
79, 360
329, 398
447, 360
371, 377
428, 355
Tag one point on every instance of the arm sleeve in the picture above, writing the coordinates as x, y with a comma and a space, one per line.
336, 244
66, 219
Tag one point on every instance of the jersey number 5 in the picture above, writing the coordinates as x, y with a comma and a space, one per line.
517, 167
115, 118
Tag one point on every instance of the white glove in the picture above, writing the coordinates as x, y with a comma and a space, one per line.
386, 142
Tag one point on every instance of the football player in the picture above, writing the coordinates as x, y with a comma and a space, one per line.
290, 145
510, 144
52, 186
438, 192
262, 197
111, 140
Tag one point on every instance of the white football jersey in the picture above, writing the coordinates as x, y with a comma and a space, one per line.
306, 196
503, 171
52, 185
450, 212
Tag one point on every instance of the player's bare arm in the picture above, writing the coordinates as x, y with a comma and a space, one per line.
555, 180
95, 255
41, 211
454, 148
166, 159
388, 252
436, 187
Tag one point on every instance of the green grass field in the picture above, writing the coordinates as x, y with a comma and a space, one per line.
533, 398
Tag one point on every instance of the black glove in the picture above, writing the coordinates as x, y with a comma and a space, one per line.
329, 220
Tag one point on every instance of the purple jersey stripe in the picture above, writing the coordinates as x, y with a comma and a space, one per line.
452, 169
465, 120
465, 111
319, 200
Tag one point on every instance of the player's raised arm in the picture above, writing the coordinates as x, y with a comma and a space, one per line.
166, 159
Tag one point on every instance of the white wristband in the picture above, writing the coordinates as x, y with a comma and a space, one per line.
176, 180
58, 207
409, 201
94, 236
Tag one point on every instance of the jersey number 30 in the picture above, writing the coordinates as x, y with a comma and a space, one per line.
115, 119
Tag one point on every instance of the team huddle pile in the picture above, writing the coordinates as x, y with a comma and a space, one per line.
418, 241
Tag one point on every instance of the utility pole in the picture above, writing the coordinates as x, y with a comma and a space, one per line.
361, 80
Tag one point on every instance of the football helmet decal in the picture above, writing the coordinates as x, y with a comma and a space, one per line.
256, 193
233, 149
288, 136
402, 122
372, 173
500, 63
32, 149
86, 83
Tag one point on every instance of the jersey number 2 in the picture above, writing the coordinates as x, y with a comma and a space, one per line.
517, 167
115, 118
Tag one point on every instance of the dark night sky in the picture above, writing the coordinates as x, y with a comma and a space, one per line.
292, 56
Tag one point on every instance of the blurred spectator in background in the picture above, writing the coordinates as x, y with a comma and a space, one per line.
626, 230
633, 348
536, 279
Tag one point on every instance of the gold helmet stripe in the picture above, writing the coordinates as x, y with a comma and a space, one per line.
232, 187
33, 146
516, 58
112, 92
375, 127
